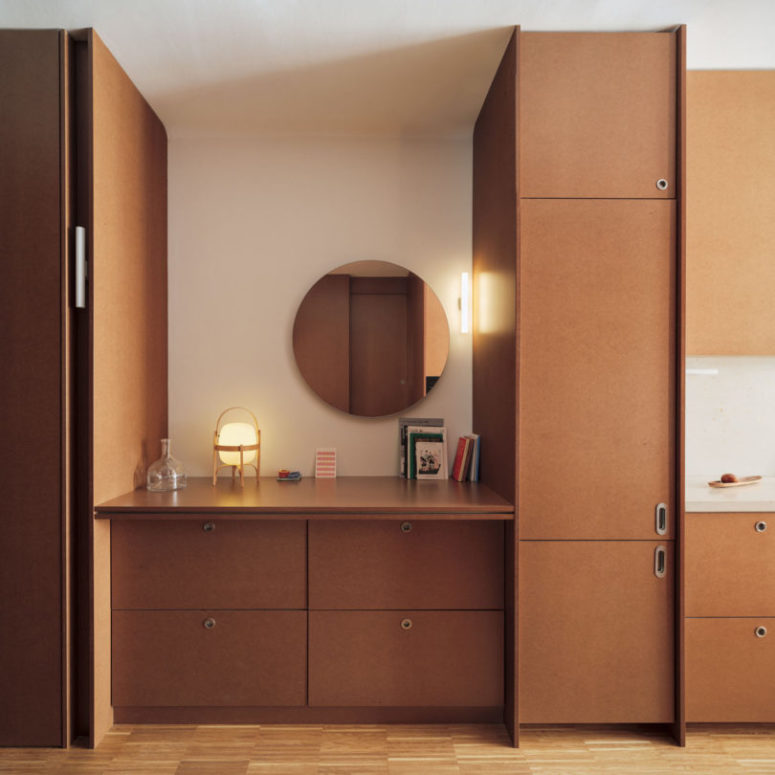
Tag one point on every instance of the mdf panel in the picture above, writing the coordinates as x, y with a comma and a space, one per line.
127, 249
32, 398
209, 563
597, 114
367, 658
596, 633
321, 339
730, 671
597, 367
730, 566
362, 565
246, 658
730, 228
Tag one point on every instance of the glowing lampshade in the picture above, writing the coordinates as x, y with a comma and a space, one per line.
237, 444
234, 434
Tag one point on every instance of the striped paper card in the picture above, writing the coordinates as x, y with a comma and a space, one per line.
325, 463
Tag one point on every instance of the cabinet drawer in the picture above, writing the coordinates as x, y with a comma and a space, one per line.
730, 566
730, 671
247, 658
208, 564
366, 658
455, 565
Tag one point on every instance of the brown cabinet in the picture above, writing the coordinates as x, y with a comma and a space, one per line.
405, 564
597, 114
209, 658
730, 564
596, 632
406, 658
597, 378
213, 563
730, 669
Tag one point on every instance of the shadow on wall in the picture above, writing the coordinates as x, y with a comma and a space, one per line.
430, 89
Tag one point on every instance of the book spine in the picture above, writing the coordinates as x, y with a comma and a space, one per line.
459, 453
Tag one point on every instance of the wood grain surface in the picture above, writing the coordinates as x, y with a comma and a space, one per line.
597, 114
438, 749
731, 197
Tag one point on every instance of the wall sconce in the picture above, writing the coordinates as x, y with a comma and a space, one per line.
238, 444
465, 303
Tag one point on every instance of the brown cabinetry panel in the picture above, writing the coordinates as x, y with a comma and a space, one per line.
370, 565
597, 377
209, 563
596, 633
730, 671
730, 566
597, 114
247, 658
367, 658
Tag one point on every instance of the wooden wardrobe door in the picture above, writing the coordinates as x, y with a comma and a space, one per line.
597, 114
596, 632
33, 398
597, 371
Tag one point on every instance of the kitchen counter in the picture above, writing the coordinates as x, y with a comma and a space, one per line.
753, 497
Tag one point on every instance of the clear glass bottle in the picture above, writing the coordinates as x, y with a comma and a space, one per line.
166, 473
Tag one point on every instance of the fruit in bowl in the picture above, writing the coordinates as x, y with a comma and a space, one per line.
728, 478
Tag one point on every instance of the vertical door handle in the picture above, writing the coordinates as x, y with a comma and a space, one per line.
80, 267
660, 519
660, 562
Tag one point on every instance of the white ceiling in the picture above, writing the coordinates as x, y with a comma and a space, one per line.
406, 67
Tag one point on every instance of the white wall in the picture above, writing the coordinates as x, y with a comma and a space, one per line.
253, 224
730, 416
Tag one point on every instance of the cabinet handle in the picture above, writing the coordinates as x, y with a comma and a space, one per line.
80, 268
660, 519
760, 631
760, 527
660, 562
208, 527
662, 184
406, 624
208, 623
406, 527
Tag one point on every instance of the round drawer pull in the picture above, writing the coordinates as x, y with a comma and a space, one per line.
760, 631
662, 184
760, 527
406, 527
406, 624
208, 623
208, 527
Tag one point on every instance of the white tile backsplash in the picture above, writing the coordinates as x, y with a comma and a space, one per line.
730, 415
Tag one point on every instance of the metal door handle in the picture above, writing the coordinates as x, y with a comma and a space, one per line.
660, 519
660, 562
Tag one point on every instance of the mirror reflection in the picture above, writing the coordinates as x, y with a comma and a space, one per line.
371, 338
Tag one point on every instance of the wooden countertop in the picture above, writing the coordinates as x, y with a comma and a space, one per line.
347, 497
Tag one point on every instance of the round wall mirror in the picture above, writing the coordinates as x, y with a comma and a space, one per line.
371, 338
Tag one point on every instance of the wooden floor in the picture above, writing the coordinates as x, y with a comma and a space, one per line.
400, 750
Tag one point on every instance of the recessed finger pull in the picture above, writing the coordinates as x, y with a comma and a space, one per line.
406, 624
760, 631
660, 562
208, 527
760, 526
662, 184
406, 527
208, 623
660, 518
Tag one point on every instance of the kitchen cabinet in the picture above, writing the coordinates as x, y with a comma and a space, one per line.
85, 399
596, 632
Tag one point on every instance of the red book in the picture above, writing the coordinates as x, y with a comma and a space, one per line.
466, 459
459, 455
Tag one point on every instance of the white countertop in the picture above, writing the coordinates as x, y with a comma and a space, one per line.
753, 497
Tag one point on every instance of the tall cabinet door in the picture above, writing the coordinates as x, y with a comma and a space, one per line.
596, 632
33, 396
597, 381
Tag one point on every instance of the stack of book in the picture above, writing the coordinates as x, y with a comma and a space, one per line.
466, 465
423, 448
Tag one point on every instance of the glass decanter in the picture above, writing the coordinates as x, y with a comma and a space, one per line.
166, 473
